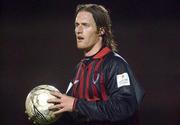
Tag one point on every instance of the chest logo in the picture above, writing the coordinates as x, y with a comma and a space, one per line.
97, 78
76, 81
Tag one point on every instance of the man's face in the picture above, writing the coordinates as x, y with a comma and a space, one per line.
86, 31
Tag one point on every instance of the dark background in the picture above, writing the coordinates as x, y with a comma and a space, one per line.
37, 45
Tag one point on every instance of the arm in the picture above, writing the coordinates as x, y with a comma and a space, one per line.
120, 105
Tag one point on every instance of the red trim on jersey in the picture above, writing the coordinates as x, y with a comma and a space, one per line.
102, 53
103, 90
97, 67
74, 104
78, 72
81, 82
95, 92
88, 81
74, 91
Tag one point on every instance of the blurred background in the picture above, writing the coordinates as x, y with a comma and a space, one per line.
37, 45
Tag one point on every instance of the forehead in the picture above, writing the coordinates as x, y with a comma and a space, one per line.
84, 17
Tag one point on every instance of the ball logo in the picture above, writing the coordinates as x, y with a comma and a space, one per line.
38, 115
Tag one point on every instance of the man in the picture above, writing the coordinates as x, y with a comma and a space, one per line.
103, 89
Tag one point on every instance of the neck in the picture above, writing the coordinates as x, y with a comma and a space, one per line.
92, 51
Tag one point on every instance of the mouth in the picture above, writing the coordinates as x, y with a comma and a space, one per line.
80, 38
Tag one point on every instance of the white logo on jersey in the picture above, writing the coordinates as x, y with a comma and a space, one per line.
69, 87
76, 81
97, 78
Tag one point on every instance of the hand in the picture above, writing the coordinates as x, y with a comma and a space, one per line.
62, 103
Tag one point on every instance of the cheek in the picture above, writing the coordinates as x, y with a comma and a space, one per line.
91, 35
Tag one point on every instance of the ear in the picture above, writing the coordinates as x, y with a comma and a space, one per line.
101, 31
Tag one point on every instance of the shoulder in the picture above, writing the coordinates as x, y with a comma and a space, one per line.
114, 62
114, 58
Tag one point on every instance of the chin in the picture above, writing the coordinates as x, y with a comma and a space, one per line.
80, 46
85, 49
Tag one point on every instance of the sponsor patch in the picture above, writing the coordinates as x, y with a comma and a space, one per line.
122, 80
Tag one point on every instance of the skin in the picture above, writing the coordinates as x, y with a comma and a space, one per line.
90, 41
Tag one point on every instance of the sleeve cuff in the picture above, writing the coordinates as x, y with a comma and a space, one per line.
74, 104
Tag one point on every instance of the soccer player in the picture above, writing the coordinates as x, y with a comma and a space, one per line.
103, 89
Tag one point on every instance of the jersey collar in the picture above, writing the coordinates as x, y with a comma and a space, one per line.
102, 53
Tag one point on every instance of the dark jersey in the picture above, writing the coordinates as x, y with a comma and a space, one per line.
103, 86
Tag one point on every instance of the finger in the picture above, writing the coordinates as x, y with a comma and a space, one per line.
56, 94
53, 100
58, 106
58, 112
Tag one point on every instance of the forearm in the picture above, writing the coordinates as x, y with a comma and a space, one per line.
117, 107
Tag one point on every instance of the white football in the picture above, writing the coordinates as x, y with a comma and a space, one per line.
37, 106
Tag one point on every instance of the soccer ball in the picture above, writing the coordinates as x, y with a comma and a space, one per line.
37, 106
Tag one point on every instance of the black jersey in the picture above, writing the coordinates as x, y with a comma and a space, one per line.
105, 89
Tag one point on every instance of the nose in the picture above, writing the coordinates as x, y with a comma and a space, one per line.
79, 29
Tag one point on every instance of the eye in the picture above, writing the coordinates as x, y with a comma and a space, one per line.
76, 24
85, 24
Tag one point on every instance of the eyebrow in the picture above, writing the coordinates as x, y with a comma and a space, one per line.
83, 23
